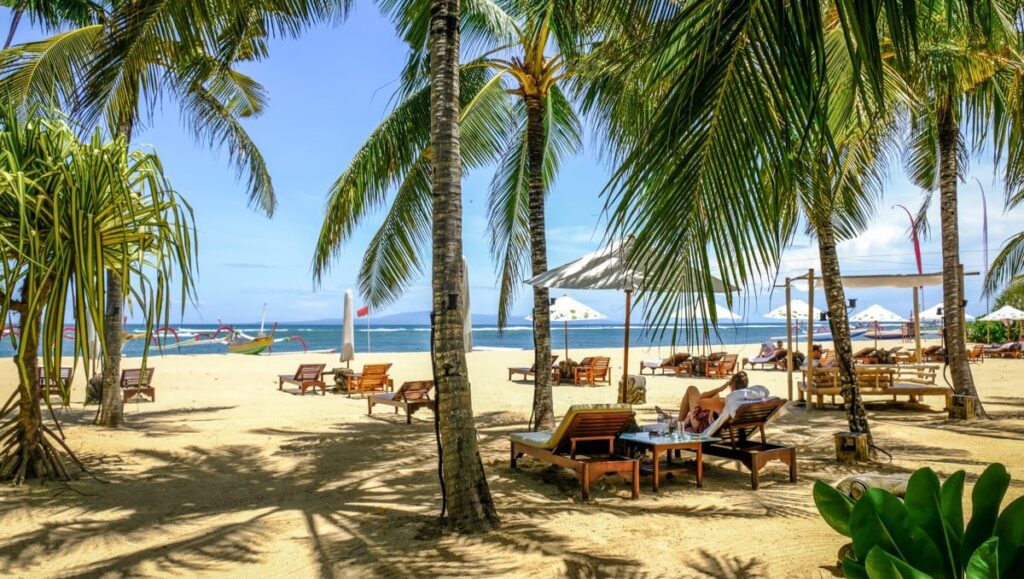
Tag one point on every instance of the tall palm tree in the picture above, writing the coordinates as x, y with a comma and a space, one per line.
132, 54
69, 210
967, 77
515, 114
47, 12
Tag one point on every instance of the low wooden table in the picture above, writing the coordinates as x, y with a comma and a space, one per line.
659, 444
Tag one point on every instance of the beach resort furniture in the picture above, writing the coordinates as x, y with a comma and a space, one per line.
1007, 350
722, 367
527, 372
373, 378
410, 396
931, 354
677, 363
596, 371
660, 444
584, 443
138, 384
746, 413
976, 354
865, 356
881, 380
50, 387
307, 376
776, 359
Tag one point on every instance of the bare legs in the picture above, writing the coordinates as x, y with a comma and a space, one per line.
689, 402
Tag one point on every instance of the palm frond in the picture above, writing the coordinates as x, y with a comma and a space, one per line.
1007, 266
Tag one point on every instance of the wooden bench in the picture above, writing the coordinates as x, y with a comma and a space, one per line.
138, 384
49, 387
307, 376
410, 396
911, 380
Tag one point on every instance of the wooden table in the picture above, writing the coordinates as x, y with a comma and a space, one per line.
659, 444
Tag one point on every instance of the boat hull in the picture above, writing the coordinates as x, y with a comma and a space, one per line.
251, 347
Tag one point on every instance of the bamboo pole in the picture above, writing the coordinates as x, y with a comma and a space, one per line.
789, 340
917, 324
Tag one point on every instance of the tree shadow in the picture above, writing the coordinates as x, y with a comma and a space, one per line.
707, 564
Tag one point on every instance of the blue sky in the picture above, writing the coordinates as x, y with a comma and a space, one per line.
329, 89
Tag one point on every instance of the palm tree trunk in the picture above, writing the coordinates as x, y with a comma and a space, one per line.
835, 297
463, 483
536, 140
953, 329
111, 410
19, 11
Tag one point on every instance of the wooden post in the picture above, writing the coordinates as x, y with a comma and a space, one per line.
625, 353
852, 447
917, 324
789, 340
963, 408
809, 379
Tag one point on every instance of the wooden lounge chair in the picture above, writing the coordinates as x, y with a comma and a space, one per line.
1007, 350
671, 363
776, 359
306, 377
976, 354
584, 443
49, 387
532, 370
138, 385
933, 354
721, 368
374, 378
410, 396
737, 441
595, 372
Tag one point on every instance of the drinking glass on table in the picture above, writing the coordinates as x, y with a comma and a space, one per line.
661, 423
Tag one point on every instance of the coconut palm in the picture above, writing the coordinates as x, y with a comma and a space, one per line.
47, 12
515, 113
968, 77
135, 53
69, 210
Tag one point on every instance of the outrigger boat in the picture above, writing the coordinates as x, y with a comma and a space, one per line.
252, 345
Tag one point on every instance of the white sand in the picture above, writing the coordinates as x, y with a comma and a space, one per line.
226, 475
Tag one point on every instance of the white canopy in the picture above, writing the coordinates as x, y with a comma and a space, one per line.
604, 269
566, 309
348, 333
467, 317
1005, 313
932, 314
723, 314
876, 314
799, 311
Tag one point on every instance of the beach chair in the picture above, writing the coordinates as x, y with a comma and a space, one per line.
741, 419
722, 368
584, 443
307, 376
138, 384
1007, 350
865, 356
410, 396
670, 363
976, 354
373, 378
775, 359
49, 387
532, 370
597, 371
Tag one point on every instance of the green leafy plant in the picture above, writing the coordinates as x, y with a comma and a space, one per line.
924, 535
991, 332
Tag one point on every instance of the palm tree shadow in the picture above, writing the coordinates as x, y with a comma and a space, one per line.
707, 564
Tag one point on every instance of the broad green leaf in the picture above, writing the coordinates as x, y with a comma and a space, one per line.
924, 511
1010, 531
879, 519
952, 504
882, 565
984, 563
834, 506
986, 497
853, 569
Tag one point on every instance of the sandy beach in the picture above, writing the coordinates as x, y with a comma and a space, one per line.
225, 475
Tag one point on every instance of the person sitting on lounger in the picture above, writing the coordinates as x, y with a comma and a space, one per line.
698, 410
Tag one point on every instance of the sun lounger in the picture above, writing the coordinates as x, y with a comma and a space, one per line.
373, 378
138, 384
932, 354
1007, 350
776, 360
976, 354
49, 387
745, 414
410, 396
584, 443
721, 368
307, 376
593, 373
532, 370
677, 363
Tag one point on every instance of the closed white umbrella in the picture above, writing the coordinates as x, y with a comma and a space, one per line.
932, 314
565, 310
1004, 314
467, 317
348, 332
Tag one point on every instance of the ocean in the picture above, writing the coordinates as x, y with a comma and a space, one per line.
293, 338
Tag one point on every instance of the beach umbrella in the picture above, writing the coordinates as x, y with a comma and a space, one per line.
798, 309
607, 268
467, 317
876, 314
932, 314
565, 310
1004, 314
348, 332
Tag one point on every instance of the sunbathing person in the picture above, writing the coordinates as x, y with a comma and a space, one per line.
698, 410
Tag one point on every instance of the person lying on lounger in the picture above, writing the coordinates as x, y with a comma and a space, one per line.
698, 410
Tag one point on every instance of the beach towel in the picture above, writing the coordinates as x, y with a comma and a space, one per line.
734, 401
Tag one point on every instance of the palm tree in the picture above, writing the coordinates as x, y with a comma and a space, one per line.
133, 53
69, 210
968, 74
50, 13
515, 113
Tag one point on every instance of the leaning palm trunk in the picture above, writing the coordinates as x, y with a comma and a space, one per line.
953, 329
835, 297
111, 412
467, 499
543, 405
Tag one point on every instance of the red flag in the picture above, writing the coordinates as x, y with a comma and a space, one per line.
363, 311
